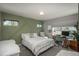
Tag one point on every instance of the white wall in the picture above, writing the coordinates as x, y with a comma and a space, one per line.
70, 20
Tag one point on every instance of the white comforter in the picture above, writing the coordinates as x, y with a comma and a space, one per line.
38, 44
8, 47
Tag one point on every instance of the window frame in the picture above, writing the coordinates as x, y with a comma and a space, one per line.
13, 22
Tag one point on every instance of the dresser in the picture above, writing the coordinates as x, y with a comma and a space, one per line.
73, 44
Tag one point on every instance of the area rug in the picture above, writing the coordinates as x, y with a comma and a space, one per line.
67, 53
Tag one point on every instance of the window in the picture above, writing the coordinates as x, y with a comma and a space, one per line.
39, 25
49, 27
10, 23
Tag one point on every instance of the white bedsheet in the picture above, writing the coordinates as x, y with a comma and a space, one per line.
38, 44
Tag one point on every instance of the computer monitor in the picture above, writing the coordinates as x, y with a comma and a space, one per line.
65, 33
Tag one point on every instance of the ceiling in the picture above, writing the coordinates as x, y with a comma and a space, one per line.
32, 10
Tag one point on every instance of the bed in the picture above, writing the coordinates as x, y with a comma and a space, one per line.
37, 44
9, 48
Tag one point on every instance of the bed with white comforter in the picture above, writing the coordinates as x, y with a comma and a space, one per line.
9, 48
37, 44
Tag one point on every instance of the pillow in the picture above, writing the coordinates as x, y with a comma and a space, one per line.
25, 35
31, 35
35, 35
42, 34
46, 37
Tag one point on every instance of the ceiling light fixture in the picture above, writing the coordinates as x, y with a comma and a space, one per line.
41, 13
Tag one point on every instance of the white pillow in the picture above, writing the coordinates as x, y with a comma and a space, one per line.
42, 34
29, 35
46, 37
35, 35
25, 35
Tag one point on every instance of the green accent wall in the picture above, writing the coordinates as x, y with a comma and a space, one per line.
26, 25
0, 25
